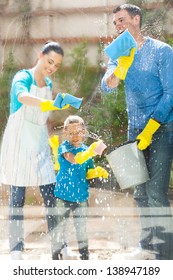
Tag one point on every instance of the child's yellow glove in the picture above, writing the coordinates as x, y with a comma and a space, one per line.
47, 105
81, 157
97, 172
145, 137
54, 143
124, 63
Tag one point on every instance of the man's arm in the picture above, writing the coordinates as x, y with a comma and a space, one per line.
112, 81
117, 71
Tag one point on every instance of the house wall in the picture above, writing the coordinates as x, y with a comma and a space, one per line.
26, 24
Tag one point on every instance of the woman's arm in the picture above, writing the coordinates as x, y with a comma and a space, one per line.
29, 99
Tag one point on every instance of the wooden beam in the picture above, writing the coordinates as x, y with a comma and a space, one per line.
64, 40
68, 40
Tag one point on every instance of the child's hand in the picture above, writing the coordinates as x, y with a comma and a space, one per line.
81, 157
97, 172
102, 172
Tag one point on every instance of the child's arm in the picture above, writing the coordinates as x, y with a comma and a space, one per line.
81, 157
97, 172
69, 157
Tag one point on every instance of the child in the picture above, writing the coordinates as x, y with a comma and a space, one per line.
66, 252
76, 167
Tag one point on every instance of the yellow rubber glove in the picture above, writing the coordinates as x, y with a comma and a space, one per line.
145, 137
97, 172
81, 157
54, 143
47, 105
124, 63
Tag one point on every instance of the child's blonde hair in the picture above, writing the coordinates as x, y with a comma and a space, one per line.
73, 119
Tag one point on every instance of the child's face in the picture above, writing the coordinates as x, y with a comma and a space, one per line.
75, 133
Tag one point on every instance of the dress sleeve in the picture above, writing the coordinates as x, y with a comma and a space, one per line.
22, 82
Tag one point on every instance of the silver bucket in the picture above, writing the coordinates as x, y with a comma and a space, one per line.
128, 165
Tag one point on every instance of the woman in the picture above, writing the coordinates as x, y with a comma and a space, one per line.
25, 151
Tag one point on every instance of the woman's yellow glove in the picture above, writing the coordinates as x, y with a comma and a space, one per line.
124, 63
81, 157
97, 172
54, 144
145, 137
47, 105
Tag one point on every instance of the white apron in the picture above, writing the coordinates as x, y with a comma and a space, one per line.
25, 151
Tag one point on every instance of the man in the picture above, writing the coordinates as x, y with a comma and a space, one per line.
147, 74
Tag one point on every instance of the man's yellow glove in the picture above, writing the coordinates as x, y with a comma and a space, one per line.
124, 63
145, 137
47, 105
54, 143
81, 157
96, 173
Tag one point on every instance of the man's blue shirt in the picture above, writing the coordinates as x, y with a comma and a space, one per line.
148, 84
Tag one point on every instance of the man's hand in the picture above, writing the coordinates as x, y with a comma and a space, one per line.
145, 137
124, 63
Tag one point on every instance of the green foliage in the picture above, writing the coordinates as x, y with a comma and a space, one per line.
169, 40
106, 116
6, 76
80, 79
154, 20
171, 179
139, 3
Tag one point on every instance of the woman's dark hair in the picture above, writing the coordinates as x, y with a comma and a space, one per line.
52, 46
132, 10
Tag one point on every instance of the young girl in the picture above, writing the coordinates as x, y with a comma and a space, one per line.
71, 190
25, 152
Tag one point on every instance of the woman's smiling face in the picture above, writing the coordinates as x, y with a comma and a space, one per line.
50, 63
